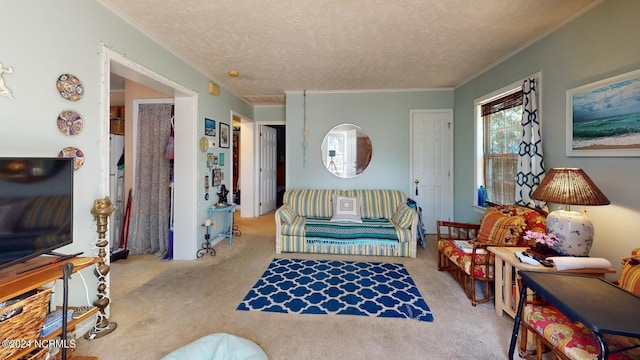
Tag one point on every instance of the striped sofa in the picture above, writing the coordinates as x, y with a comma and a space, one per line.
389, 226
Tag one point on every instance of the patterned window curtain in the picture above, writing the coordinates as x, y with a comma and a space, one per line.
151, 204
530, 157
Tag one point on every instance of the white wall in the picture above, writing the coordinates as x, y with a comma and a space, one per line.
599, 44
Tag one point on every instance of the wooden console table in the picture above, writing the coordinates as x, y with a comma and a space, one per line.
505, 278
13, 283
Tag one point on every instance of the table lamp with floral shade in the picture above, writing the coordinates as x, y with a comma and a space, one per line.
572, 230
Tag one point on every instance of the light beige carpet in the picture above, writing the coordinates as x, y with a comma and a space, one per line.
160, 307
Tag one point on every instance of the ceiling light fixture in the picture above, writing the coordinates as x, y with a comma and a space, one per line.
234, 73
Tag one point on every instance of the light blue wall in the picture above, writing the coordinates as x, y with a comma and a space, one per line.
269, 113
601, 43
43, 39
384, 116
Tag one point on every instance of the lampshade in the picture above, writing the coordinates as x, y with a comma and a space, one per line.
570, 186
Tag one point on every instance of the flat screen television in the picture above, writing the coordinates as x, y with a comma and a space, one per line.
36, 207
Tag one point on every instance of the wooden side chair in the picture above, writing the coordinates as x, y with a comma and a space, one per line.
462, 247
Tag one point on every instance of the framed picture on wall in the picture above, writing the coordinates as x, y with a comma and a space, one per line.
603, 117
217, 176
209, 127
224, 136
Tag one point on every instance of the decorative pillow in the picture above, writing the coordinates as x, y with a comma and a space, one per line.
534, 219
403, 216
287, 214
346, 209
497, 228
630, 276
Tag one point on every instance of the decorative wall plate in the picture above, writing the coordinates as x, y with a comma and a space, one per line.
75, 153
70, 87
204, 144
70, 122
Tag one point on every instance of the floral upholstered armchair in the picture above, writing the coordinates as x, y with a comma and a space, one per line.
462, 247
572, 340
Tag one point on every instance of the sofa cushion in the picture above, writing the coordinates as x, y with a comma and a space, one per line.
287, 214
500, 229
573, 339
346, 209
462, 258
404, 234
309, 202
376, 203
296, 227
403, 217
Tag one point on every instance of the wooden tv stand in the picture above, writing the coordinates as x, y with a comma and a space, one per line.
13, 283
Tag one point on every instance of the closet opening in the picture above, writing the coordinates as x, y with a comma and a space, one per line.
144, 179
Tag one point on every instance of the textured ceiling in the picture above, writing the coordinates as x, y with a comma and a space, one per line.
279, 45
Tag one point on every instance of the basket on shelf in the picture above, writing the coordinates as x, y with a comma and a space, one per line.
116, 126
26, 325
39, 354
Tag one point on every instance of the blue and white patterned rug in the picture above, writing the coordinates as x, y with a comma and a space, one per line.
337, 287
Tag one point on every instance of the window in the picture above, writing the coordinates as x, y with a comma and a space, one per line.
500, 119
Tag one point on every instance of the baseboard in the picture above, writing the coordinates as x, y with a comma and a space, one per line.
84, 327
217, 240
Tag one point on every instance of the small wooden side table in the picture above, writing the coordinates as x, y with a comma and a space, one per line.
507, 289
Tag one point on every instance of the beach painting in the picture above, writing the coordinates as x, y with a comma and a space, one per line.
603, 118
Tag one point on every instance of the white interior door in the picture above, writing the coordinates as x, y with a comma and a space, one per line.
268, 168
116, 188
432, 164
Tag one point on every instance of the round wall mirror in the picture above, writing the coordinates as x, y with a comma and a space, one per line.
346, 151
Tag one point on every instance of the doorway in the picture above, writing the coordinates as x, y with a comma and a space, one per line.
249, 162
431, 160
281, 150
185, 185
268, 156
272, 166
